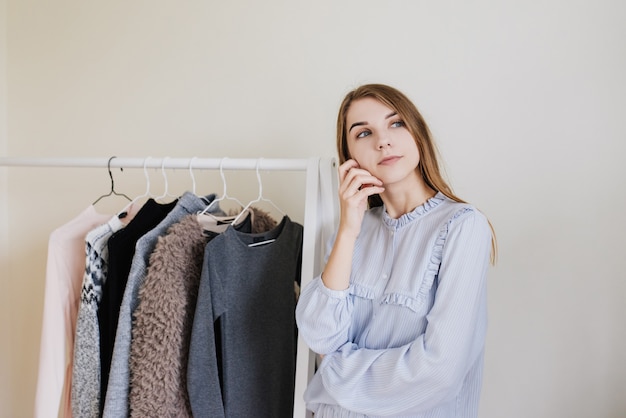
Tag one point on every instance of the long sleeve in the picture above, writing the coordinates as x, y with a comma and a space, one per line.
439, 370
202, 373
64, 276
324, 317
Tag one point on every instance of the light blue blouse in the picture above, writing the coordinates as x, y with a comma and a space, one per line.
406, 339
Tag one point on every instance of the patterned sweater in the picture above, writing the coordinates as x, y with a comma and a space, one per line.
85, 396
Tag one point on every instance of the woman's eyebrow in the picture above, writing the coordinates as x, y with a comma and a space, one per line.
392, 114
356, 124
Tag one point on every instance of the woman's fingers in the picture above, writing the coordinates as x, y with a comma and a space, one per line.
346, 167
356, 184
353, 178
358, 179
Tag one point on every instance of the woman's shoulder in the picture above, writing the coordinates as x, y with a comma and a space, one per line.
459, 209
442, 209
465, 216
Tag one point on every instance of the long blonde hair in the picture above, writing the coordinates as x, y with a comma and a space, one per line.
428, 165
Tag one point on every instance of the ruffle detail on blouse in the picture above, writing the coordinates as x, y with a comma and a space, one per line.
401, 300
416, 302
414, 214
432, 270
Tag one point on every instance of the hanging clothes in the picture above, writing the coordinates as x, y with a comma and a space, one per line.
116, 401
243, 344
162, 321
259, 274
121, 247
86, 368
64, 277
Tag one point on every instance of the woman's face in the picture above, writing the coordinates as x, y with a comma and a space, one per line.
380, 143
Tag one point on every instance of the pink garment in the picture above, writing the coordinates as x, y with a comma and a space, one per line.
64, 277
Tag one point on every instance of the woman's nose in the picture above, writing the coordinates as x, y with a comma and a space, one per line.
383, 142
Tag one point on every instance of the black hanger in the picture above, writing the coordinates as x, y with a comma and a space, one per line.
112, 192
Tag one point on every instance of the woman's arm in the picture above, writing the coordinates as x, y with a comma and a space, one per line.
324, 309
324, 316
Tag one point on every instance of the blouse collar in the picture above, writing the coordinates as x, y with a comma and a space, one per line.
416, 213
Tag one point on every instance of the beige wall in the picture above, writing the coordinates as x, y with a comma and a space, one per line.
526, 101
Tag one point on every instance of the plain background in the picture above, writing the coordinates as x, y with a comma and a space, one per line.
527, 101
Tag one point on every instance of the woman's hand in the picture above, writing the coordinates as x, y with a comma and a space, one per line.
355, 186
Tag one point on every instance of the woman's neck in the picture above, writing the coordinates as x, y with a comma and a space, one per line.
405, 200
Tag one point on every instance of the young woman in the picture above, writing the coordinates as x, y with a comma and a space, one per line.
399, 313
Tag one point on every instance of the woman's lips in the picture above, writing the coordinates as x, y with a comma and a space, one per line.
389, 160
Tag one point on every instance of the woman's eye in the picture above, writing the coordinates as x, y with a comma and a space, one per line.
397, 124
363, 134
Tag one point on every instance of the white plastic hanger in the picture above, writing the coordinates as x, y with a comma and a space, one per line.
124, 211
260, 198
193, 178
165, 192
224, 193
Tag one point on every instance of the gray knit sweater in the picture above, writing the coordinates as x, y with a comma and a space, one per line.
243, 342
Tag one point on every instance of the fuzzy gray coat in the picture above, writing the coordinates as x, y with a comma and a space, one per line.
162, 322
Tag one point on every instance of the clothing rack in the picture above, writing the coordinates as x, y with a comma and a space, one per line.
320, 215
286, 164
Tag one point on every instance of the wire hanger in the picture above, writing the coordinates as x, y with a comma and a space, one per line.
112, 192
260, 198
165, 192
224, 192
